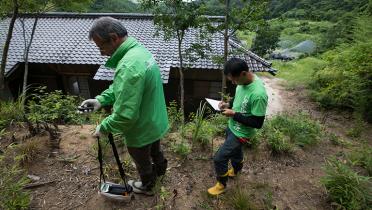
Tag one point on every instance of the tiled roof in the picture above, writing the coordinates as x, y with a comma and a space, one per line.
63, 38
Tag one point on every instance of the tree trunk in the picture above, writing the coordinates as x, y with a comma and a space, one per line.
180, 69
6, 48
25, 76
226, 44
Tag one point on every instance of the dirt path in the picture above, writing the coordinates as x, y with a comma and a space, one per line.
290, 182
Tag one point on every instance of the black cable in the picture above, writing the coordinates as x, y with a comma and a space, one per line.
121, 169
100, 159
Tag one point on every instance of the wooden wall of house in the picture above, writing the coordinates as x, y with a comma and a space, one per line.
71, 79
199, 84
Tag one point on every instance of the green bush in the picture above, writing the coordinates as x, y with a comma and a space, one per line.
345, 187
54, 108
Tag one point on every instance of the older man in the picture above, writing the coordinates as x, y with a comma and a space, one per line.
136, 94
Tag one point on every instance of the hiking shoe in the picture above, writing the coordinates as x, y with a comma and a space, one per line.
218, 189
139, 188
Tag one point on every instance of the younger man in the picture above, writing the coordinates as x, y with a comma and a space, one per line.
246, 113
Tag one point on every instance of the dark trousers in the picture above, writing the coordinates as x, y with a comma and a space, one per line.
230, 150
150, 162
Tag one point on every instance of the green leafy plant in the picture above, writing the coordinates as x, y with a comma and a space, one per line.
47, 110
345, 187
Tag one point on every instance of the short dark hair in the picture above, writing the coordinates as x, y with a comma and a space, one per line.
235, 66
104, 26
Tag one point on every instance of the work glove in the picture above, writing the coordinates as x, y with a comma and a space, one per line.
98, 132
91, 103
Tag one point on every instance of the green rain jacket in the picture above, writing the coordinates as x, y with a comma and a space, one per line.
139, 110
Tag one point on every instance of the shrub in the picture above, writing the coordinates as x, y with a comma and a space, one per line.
345, 82
53, 108
345, 187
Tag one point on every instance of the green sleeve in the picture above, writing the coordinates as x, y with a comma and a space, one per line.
259, 106
128, 87
107, 97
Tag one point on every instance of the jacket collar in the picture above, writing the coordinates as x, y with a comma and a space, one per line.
113, 61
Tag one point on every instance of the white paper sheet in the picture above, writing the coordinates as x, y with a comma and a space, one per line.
213, 103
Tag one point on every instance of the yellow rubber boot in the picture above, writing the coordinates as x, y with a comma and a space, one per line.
217, 189
231, 173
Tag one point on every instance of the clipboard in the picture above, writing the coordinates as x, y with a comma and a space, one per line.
213, 103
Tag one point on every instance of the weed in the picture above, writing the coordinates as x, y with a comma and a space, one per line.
28, 151
278, 142
284, 131
362, 157
240, 199
345, 187
336, 140
181, 148
175, 115
12, 181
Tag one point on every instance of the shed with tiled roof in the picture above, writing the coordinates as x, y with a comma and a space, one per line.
62, 53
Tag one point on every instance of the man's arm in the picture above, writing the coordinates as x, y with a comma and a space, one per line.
251, 121
107, 97
130, 87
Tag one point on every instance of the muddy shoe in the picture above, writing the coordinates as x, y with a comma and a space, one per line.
218, 189
139, 188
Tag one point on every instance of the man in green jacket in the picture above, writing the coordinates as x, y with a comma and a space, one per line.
136, 94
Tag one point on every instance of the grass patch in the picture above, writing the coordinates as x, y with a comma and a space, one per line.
283, 132
346, 188
28, 151
181, 148
362, 157
12, 181
256, 196
298, 73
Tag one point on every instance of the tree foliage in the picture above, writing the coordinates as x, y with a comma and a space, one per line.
347, 79
266, 40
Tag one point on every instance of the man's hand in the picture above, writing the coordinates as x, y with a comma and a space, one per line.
228, 112
98, 132
223, 105
91, 103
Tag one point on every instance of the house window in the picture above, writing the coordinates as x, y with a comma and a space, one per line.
78, 85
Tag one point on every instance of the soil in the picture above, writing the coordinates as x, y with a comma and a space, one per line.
288, 182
